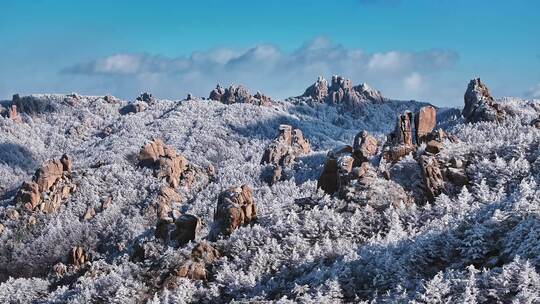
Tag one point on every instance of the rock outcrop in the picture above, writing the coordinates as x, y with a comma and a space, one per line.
198, 266
187, 226
341, 91
235, 207
10, 113
133, 107
480, 105
289, 144
425, 121
238, 94
165, 161
348, 165
78, 256
50, 185
432, 176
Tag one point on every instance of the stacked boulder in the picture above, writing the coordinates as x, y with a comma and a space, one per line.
238, 94
348, 166
174, 168
49, 187
480, 105
281, 153
235, 208
341, 91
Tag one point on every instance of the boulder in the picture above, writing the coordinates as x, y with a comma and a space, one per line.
187, 226
48, 174
204, 252
479, 104
286, 147
235, 208
50, 185
432, 176
364, 146
165, 161
338, 164
434, 146
89, 214
133, 107
424, 123
536, 123
192, 270
457, 176
60, 270
78, 256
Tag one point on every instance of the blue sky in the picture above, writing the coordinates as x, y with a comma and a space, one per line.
426, 50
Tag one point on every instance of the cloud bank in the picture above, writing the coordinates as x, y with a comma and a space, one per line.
265, 67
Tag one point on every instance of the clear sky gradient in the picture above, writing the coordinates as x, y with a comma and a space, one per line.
426, 50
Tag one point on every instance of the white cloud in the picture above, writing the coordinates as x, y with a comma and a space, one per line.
413, 82
267, 68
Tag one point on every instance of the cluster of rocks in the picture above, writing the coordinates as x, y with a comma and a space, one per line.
49, 187
348, 171
139, 105
341, 91
346, 166
197, 267
238, 94
480, 105
282, 152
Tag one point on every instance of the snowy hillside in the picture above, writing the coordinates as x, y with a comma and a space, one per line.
476, 238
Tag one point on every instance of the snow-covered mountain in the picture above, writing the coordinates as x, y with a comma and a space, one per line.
455, 217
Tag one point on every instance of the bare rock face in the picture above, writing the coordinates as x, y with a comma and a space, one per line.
480, 105
12, 113
50, 185
187, 226
341, 91
166, 197
165, 161
60, 270
235, 208
433, 179
424, 122
78, 256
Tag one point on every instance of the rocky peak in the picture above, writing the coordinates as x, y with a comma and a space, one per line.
479, 104
341, 91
